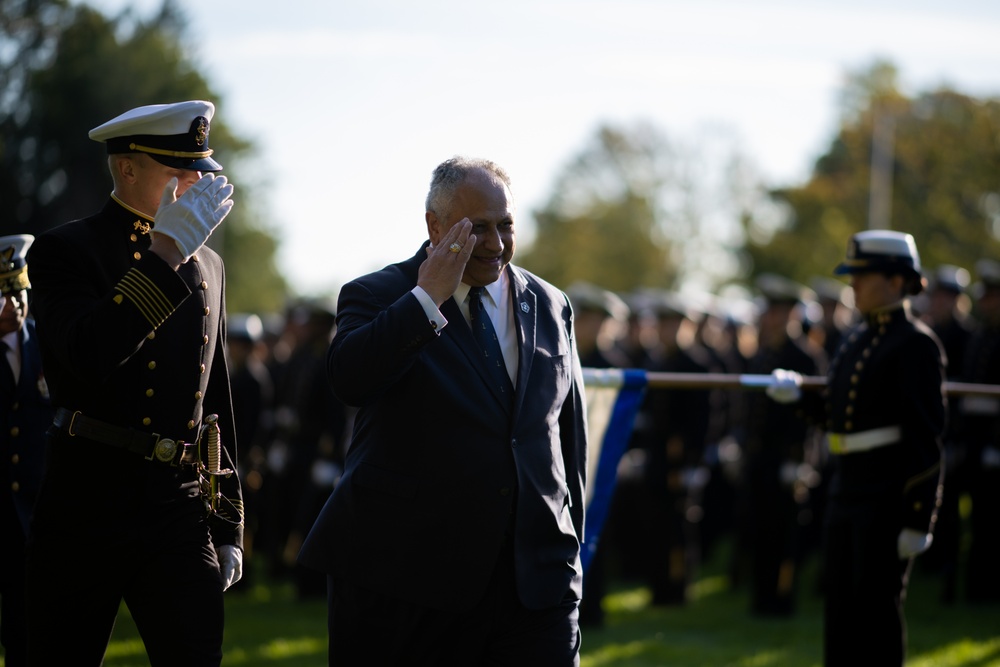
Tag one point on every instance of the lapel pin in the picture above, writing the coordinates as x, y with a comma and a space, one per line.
524, 306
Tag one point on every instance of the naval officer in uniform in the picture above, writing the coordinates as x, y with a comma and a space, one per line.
884, 413
130, 309
25, 415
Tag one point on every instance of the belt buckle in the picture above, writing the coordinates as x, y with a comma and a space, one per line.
164, 450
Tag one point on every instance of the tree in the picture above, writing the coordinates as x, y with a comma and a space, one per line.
634, 210
944, 191
74, 69
600, 223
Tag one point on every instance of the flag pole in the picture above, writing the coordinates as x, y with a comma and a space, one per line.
662, 380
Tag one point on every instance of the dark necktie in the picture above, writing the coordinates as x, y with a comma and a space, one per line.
486, 336
8, 385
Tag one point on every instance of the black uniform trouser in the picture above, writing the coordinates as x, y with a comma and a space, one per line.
13, 631
774, 550
865, 586
95, 543
983, 580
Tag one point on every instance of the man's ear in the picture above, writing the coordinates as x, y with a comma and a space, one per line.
434, 231
126, 168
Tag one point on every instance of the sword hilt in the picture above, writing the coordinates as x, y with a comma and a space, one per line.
214, 468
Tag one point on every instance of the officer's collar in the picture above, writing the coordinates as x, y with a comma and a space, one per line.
889, 312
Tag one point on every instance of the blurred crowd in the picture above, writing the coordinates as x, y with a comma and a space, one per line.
712, 464
292, 432
702, 466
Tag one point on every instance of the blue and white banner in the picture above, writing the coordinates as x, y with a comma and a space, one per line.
613, 398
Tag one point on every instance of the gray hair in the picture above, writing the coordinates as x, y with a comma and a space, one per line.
451, 173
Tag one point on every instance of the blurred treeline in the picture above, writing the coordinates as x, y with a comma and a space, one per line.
633, 209
65, 69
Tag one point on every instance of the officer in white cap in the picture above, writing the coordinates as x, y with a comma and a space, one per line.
884, 413
130, 307
25, 415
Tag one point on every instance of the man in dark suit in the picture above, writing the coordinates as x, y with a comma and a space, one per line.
131, 315
454, 535
25, 414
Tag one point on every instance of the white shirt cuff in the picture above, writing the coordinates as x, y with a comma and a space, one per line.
434, 316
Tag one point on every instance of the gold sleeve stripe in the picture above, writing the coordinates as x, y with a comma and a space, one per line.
147, 297
917, 479
238, 504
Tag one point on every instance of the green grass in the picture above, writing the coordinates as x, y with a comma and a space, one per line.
267, 627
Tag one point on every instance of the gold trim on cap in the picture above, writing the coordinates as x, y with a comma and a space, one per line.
181, 154
14, 281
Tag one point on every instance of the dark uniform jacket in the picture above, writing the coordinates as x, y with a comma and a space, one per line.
127, 340
440, 460
889, 371
677, 419
776, 432
24, 418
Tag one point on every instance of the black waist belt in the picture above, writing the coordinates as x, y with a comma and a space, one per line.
149, 445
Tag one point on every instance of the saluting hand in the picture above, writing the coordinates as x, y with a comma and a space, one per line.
190, 220
442, 271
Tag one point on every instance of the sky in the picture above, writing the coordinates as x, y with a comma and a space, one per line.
352, 104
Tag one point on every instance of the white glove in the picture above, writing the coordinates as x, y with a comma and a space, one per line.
912, 542
190, 220
785, 386
230, 564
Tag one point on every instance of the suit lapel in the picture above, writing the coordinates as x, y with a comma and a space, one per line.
525, 304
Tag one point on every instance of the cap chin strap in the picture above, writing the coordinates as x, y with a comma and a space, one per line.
181, 154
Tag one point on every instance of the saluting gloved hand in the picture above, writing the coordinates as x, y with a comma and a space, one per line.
190, 220
230, 564
785, 386
912, 542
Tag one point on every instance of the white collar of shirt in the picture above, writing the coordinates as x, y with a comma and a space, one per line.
497, 297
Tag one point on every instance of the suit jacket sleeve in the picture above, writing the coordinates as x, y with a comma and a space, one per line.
379, 337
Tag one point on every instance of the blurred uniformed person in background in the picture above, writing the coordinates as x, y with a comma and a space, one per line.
780, 452
674, 427
310, 446
979, 431
25, 415
836, 301
600, 317
253, 413
884, 413
131, 317
947, 311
